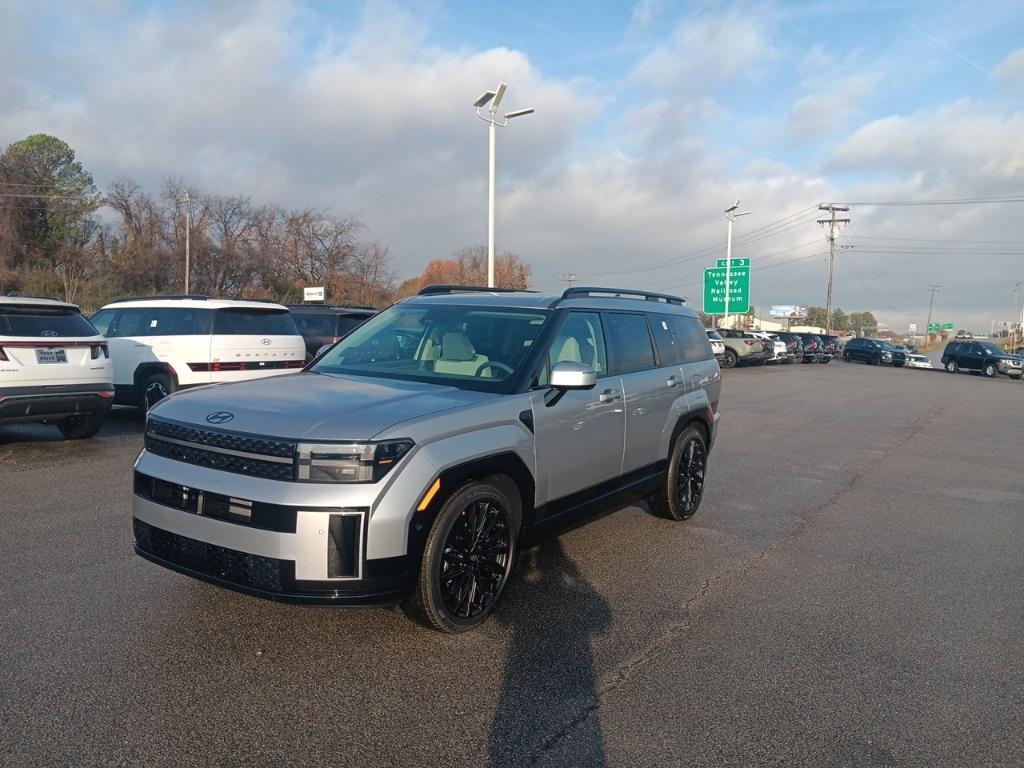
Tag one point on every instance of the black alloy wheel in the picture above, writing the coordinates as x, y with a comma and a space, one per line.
683, 488
467, 559
156, 388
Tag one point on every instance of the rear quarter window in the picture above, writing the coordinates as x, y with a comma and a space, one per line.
691, 340
31, 322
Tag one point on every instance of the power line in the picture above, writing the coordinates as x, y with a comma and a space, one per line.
949, 202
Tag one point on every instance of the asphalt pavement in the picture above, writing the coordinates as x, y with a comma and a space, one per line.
850, 594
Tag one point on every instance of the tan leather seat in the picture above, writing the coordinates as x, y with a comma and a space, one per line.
458, 356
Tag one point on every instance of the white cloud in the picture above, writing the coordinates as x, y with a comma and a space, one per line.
1011, 69
828, 109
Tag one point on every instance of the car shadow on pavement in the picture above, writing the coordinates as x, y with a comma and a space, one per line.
120, 421
549, 687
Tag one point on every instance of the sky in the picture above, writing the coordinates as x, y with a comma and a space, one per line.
651, 118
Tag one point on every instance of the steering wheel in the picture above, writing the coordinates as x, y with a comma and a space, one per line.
494, 364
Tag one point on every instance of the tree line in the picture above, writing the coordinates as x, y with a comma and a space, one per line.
59, 236
858, 322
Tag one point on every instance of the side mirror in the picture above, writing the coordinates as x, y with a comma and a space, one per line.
324, 348
571, 375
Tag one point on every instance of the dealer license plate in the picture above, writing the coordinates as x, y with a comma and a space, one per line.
51, 355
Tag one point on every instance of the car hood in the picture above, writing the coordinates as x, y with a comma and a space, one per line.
312, 406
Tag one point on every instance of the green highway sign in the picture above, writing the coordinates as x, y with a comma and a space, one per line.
735, 263
739, 289
934, 327
947, 326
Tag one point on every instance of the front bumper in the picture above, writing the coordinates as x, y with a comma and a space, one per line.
38, 403
1010, 370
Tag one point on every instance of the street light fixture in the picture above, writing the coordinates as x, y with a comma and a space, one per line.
492, 100
730, 214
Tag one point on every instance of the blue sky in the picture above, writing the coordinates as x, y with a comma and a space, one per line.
651, 118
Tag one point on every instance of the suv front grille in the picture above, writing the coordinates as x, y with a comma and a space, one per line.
284, 449
241, 568
225, 462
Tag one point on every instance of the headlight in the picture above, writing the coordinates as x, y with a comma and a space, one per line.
348, 462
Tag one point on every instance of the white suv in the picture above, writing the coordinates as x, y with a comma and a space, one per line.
54, 367
161, 344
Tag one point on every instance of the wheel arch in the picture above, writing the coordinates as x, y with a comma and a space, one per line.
145, 370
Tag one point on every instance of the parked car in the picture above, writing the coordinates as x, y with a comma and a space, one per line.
777, 351
873, 352
160, 344
717, 345
794, 345
741, 348
918, 361
814, 349
467, 422
322, 325
831, 346
54, 367
981, 357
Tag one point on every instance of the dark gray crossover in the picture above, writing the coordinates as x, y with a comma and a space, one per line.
414, 459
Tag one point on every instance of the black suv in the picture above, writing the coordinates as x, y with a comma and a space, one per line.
981, 356
874, 352
320, 324
814, 349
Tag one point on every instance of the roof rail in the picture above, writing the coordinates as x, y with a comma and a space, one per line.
621, 293
436, 290
158, 298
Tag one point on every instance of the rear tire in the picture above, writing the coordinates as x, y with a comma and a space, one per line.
155, 388
729, 359
81, 427
846, 357
467, 559
952, 366
683, 489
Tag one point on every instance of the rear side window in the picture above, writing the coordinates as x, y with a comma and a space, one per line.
314, 325
43, 322
253, 322
691, 340
664, 340
630, 342
181, 322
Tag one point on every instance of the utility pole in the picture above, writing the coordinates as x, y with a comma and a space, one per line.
931, 301
1018, 319
570, 278
188, 229
730, 214
833, 233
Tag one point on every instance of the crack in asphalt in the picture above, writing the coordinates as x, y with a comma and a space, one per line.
623, 672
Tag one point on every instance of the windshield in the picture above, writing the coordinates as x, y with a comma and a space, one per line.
43, 321
461, 346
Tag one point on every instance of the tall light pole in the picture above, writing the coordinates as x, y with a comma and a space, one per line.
932, 289
188, 244
730, 214
1018, 318
491, 100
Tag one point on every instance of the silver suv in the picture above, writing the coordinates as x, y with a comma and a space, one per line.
413, 459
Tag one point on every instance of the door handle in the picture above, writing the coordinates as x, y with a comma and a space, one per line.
673, 381
608, 396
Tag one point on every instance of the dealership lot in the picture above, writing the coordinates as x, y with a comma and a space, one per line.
848, 594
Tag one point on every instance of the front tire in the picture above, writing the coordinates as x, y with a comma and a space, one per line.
467, 559
81, 427
681, 493
991, 370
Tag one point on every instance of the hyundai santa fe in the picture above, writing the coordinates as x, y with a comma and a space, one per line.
414, 459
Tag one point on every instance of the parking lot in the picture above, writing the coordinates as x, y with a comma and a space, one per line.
849, 594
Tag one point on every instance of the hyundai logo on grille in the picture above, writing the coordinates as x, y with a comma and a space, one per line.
220, 417
266, 342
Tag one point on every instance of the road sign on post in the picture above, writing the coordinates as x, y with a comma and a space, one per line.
913, 328
735, 263
934, 327
947, 326
739, 288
